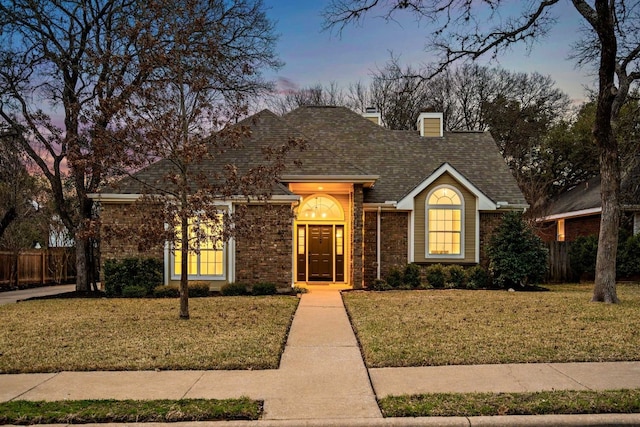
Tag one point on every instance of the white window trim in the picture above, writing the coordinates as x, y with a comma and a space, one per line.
228, 263
222, 276
461, 255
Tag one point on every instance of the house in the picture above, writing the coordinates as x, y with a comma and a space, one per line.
365, 199
576, 212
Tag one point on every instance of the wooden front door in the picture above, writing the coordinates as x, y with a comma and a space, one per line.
321, 253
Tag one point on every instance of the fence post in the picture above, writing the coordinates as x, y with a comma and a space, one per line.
42, 267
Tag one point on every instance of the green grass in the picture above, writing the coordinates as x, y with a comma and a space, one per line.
489, 404
454, 327
127, 411
143, 334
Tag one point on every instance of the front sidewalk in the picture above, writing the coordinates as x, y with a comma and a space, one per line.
322, 380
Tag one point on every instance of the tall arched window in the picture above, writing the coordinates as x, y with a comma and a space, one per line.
444, 222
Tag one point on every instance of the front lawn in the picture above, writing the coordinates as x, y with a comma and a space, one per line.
143, 334
455, 327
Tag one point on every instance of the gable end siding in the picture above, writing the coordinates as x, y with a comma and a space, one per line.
431, 127
469, 223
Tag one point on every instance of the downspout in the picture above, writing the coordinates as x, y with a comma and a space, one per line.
378, 220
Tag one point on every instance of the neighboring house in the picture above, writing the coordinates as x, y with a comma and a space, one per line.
576, 212
365, 199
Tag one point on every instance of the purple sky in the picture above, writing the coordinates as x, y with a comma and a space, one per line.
315, 56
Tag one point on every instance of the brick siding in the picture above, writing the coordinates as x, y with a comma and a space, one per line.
488, 223
581, 226
357, 261
266, 258
119, 216
394, 243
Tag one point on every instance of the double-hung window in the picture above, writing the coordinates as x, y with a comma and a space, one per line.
444, 223
206, 259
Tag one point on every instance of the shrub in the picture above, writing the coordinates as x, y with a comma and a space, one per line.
144, 272
299, 290
411, 276
264, 289
197, 289
395, 278
628, 261
582, 255
379, 285
517, 257
457, 277
233, 289
436, 276
166, 291
477, 277
134, 292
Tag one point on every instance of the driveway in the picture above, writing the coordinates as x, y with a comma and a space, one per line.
22, 294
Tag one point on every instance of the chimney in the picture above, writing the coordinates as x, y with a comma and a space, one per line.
430, 124
372, 114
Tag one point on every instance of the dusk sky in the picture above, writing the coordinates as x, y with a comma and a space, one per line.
315, 56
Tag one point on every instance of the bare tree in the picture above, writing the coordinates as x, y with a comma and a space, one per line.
318, 94
21, 199
185, 114
612, 44
78, 59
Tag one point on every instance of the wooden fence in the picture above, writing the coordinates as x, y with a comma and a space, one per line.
559, 265
37, 267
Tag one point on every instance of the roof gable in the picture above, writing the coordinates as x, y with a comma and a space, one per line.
403, 159
484, 202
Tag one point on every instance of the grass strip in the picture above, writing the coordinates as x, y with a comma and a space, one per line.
489, 404
24, 412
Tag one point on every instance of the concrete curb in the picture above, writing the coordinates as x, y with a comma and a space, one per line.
507, 420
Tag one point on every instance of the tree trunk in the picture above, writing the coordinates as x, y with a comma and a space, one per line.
184, 278
605, 281
82, 264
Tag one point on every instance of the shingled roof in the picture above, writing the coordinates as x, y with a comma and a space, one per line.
343, 143
265, 129
404, 159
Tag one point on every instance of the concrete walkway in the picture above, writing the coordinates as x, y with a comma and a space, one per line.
322, 380
10, 297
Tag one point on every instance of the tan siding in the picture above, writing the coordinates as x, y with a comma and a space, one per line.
431, 127
374, 119
469, 222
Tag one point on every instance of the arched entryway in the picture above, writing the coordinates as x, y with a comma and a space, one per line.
320, 240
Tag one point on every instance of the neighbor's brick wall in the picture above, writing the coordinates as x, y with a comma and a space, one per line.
118, 216
582, 226
394, 243
266, 258
489, 221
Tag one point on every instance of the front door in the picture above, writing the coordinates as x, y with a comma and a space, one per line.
321, 253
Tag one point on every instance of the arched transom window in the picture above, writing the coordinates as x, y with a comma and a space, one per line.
320, 208
444, 222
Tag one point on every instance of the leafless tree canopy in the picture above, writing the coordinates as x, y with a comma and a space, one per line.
466, 30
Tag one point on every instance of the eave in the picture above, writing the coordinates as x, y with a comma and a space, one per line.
368, 181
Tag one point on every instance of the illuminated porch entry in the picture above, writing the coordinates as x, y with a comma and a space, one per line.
320, 240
